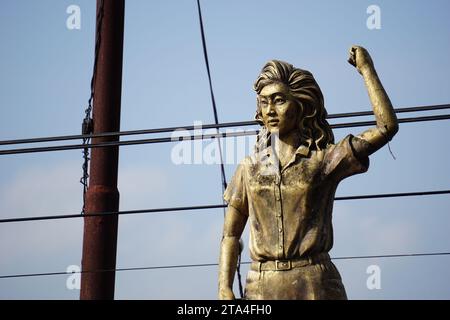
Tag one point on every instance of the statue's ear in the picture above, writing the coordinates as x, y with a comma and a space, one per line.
258, 115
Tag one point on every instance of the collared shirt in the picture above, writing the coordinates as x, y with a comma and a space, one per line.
290, 209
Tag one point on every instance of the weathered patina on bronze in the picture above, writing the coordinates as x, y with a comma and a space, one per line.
286, 189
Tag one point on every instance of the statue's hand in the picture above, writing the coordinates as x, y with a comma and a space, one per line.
226, 294
360, 58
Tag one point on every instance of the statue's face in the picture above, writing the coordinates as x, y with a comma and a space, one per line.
278, 108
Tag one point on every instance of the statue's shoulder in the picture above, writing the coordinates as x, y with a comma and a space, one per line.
339, 144
246, 163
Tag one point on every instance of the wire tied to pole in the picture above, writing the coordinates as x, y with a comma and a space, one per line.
87, 126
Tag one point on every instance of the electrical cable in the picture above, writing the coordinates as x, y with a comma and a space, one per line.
202, 136
213, 100
205, 126
216, 206
199, 265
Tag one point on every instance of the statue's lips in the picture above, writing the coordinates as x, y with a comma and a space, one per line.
273, 121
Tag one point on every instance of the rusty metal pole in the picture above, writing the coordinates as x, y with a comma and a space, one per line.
100, 233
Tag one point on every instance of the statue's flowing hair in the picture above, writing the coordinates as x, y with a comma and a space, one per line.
313, 128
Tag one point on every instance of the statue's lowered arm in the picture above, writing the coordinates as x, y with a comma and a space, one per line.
233, 227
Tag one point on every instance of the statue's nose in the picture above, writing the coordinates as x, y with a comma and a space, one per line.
272, 109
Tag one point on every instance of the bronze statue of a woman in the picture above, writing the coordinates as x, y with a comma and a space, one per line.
286, 188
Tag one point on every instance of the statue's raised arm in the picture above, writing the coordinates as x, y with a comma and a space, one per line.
387, 124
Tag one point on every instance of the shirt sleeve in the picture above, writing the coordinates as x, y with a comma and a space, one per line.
236, 193
341, 160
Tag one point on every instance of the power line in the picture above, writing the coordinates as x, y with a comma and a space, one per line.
216, 122
213, 100
394, 195
199, 265
128, 212
205, 126
393, 256
203, 136
216, 206
403, 120
398, 110
127, 142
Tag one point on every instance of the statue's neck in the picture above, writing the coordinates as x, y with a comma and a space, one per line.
286, 146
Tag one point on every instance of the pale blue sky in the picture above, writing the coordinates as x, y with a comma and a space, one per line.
44, 88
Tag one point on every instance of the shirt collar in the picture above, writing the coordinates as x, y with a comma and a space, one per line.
302, 150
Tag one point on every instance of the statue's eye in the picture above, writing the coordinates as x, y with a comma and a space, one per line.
263, 103
279, 101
